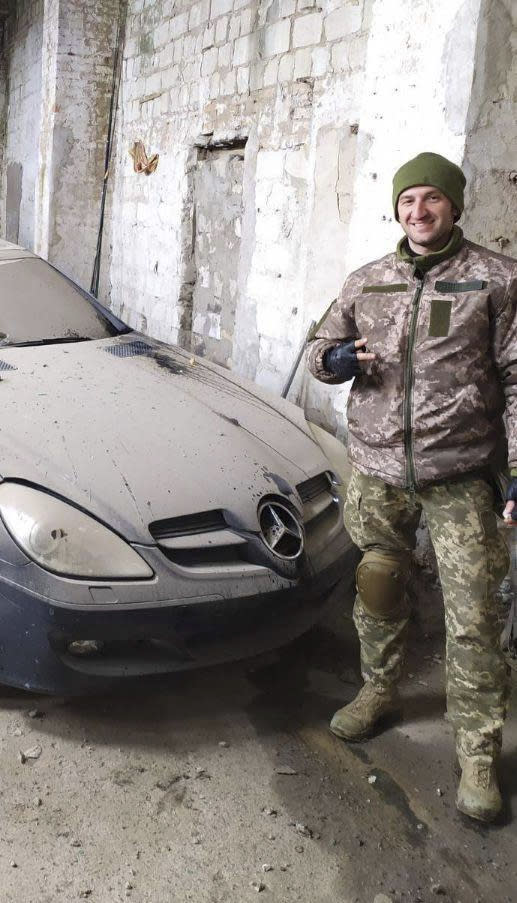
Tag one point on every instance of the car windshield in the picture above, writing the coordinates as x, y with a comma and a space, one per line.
39, 305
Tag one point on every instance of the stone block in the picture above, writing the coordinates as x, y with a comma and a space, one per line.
271, 72
286, 68
221, 29
243, 50
225, 56
166, 56
234, 27
161, 34
243, 79
320, 61
153, 83
307, 30
199, 14
256, 76
215, 85
305, 4
179, 25
209, 64
247, 20
228, 83
220, 8
340, 61
286, 8
208, 37
342, 22
276, 38
178, 54
303, 62
170, 77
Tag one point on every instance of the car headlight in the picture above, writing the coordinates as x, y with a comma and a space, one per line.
333, 449
64, 540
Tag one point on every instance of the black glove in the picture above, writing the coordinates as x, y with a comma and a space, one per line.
342, 362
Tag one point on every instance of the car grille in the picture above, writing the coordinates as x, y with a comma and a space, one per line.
321, 508
200, 540
204, 540
5, 366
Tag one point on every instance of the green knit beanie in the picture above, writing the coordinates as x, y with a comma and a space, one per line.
430, 169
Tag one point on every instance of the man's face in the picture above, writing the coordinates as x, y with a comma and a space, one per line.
427, 217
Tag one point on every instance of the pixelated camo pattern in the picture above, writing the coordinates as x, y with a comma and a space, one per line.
472, 560
462, 373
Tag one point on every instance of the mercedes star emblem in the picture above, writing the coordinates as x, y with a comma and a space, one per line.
281, 531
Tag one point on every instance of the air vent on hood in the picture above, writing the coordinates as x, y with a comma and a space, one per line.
5, 366
128, 349
314, 487
187, 524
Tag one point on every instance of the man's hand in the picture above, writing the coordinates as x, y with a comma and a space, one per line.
343, 360
511, 499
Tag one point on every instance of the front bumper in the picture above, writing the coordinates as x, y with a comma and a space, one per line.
35, 635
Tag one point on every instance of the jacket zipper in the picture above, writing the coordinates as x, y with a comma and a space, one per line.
408, 378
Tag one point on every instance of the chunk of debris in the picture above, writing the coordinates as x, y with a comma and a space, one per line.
35, 713
267, 810
75, 843
303, 829
13, 864
439, 890
87, 892
166, 783
285, 866
439, 792
299, 849
18, 732
224, 744
267, 867
33, 753
285, 769
372, 779
258, 886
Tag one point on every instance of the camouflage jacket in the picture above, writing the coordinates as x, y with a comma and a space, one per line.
431, 405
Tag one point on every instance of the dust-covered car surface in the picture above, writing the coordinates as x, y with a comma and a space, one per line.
157, 513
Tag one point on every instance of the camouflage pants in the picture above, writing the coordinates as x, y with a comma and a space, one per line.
472, 560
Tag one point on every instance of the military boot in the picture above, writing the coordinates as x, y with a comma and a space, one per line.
357, 720
478, 793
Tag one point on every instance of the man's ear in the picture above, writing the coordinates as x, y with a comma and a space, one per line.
455, 214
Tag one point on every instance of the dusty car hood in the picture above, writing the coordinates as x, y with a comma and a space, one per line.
139, 438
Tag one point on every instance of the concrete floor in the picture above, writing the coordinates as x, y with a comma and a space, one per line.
176, 791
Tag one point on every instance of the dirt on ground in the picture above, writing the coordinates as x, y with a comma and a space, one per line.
225, 785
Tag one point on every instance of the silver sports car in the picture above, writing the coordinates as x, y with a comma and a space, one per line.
157, 513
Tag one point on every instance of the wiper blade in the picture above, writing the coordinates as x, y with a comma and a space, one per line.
63, 340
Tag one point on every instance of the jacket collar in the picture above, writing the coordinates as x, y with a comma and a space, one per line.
424, 263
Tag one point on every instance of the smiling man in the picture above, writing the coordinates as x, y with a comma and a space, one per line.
429, 335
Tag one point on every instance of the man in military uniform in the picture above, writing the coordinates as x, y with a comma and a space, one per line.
429, 335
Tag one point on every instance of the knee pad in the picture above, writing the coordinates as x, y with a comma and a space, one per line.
381, 582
